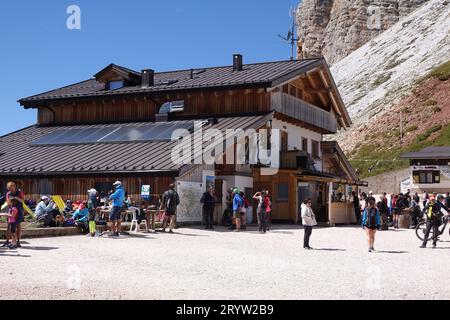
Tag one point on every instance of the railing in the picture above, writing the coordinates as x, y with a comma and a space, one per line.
303, 111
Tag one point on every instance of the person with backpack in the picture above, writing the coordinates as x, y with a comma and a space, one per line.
244, 211
398, 210
170, 202
434, 220
383, 209
238, 204
416, 213
209, 204
371, 222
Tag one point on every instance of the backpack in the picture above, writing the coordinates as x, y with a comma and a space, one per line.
172, 201
371, 221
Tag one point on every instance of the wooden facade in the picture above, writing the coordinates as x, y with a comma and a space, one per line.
75, 188
139, 109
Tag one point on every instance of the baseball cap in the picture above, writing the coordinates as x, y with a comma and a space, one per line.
92, 191
117, 183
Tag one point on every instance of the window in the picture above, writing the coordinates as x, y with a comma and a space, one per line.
305, 144
426, 177
315, 149
283, 192
114, 85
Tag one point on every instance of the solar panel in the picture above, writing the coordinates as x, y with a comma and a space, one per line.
114, 134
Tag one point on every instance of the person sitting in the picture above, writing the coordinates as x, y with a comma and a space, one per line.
81, 218
44, 211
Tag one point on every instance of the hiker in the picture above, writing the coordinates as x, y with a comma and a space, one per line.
268, 208
12, 217
416, 213
369, 198
447, 199
371, 222
238, 204
356, 206
114, 217
92, 206
170, 202
397, 210
244, 211
383, 209
426, 197
15, 193
81, 218
209, 203
44, 211
261, 211
309, 221
434, 219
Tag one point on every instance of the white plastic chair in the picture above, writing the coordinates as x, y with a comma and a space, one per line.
134, 223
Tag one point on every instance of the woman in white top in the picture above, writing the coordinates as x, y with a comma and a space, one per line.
309, 221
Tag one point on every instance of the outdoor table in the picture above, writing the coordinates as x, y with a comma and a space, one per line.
153, 214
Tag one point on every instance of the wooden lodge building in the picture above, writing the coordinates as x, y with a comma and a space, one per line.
117, 125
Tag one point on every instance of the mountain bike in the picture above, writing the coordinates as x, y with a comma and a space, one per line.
422, 226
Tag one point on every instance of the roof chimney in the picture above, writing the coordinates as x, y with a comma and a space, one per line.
148, 78
237, 62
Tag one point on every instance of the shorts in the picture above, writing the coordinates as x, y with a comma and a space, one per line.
115, 214
12, 227
20, 218
170, 213
236, 214
370, 228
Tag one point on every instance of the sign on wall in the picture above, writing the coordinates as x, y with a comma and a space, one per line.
145, 192
190, 209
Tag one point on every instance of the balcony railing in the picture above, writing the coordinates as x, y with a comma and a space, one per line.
303, 111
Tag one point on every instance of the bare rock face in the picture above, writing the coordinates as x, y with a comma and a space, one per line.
335, 28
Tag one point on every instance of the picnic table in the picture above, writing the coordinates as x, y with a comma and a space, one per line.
152, 213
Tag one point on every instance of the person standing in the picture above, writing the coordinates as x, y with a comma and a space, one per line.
356, 206
268, 209
447, 199
383, 209
371, 222
415, 211
209, 204
170, 202
92, 206
309, 221
16, 193
261, 211
244, 211
238, 204
117, 202
434, 219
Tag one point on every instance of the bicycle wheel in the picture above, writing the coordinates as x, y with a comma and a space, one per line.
420, 230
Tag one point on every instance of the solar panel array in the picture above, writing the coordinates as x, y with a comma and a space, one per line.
154, 132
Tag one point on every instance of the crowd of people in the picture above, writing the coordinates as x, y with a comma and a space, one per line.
371, 214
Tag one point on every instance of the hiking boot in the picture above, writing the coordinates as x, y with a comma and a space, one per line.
373, 249
18, 245
237, 230
6, 245
162, 230
422, 247
12, 246
171, 231
434, 246
370, 250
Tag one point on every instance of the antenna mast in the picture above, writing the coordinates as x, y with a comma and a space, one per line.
292, 37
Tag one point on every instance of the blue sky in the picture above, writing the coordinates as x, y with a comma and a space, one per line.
39, 53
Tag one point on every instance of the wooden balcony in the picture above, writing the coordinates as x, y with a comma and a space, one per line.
304, 112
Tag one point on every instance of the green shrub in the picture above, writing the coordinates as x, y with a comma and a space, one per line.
424, 136
411, 129
442, 72
431, 102
382, 79
436, 109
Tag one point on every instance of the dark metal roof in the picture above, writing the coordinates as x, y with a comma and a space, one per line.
19, 157
429, 153
258, 74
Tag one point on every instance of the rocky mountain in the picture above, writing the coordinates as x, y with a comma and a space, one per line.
335, 28
391, 62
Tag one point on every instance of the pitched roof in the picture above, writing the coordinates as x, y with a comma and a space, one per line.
429, 153
19, 157
257, 74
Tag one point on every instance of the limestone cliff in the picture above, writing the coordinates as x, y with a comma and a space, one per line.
335, 28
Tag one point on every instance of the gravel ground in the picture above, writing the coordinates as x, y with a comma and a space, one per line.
199, 264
